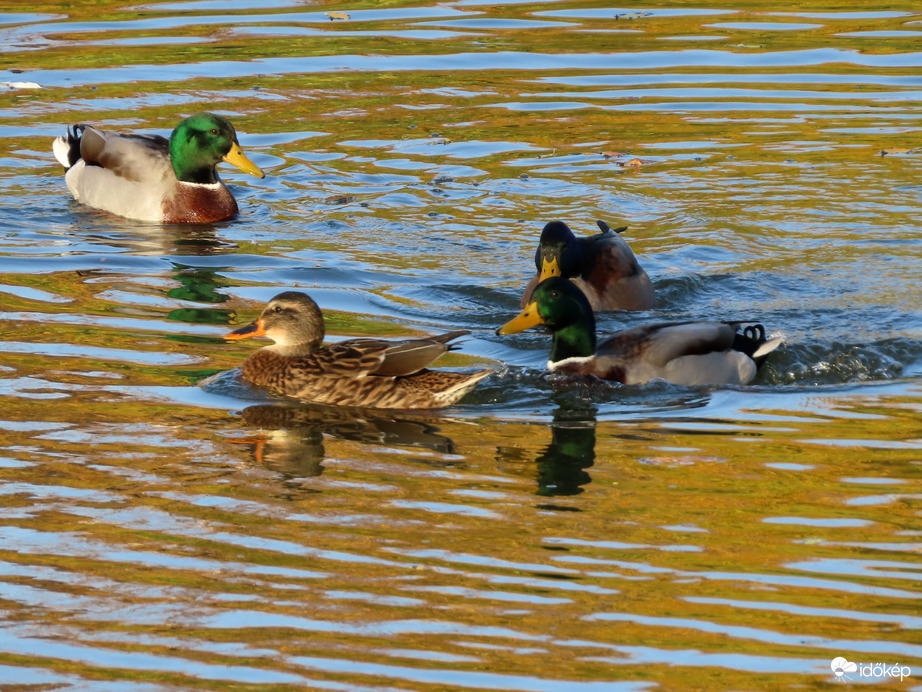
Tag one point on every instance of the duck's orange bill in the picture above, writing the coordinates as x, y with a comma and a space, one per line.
526, 319
251, 330
236, 157
549, 268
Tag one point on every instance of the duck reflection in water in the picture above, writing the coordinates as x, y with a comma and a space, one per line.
149, 240
192, 283
199, 285
560, 469
291, 436
563, 463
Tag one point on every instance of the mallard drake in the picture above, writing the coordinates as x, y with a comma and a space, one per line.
373, 373
602, 265
151, 178
689, 353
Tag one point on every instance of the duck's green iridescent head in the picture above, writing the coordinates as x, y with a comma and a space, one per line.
558, 252
561, 306
201, 141
557, 303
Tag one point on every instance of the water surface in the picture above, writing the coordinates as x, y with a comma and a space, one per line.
165, 527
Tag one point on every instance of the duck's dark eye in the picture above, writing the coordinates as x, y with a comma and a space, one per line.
555, 294
277, 309
215, 131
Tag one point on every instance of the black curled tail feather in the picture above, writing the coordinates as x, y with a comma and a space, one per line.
755, 332
73, 138
749, 340
67, 147
605, 228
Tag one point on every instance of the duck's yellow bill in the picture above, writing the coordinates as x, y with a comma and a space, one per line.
251, 330
526, 319
549, 268
236, 157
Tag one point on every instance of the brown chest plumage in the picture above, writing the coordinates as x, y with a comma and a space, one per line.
199, 204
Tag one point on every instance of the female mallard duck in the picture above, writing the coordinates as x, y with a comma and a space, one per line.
151, 178
689, 353
602, 265
359, 372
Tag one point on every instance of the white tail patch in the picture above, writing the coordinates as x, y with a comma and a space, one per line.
61, 148
768, 346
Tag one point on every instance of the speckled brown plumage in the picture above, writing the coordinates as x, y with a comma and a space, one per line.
373, 373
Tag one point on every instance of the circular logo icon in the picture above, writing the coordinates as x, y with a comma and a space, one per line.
840, 666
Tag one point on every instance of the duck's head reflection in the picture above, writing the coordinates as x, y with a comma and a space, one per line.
560, 469
562, 464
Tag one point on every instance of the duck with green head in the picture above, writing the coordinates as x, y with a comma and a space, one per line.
152, 178
688, 353
602, 265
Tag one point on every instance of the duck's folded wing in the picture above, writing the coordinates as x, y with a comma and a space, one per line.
608, 253
690, 353
345, 359
384, 358
608, 241
658, 344
133, 157
411, 356
612, 271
